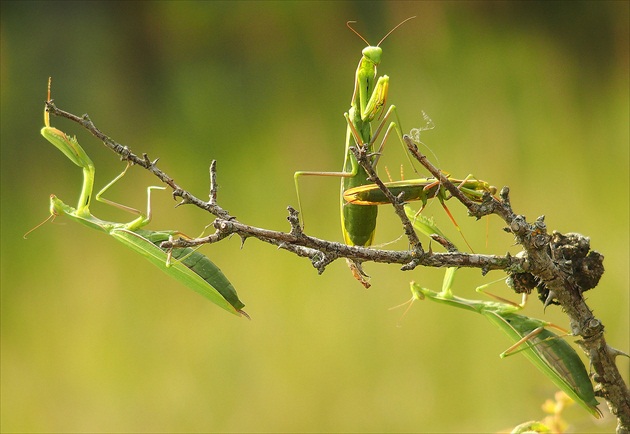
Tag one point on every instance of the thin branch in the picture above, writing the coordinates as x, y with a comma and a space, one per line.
126, 155
489, 205
406, 258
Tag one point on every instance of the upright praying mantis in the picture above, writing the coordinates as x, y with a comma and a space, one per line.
358, 223
551, 354
190, 267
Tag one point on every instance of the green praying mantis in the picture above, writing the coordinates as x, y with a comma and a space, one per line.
358, 223
421, 189
551, 354
186, 265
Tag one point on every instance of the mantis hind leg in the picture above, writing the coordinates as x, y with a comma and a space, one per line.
300, 173
143, 218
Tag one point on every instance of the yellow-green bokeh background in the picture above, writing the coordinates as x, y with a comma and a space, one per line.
94, 338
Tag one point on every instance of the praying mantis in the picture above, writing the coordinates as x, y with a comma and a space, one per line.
547, 351
186, 265
421, 189
551, 354
358, 223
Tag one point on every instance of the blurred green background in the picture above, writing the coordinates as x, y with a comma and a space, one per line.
94, 338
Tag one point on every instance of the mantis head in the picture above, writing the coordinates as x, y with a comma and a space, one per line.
373, 54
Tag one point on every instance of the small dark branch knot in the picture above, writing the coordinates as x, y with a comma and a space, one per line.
522, 282
410, 265
518, 225
505, 194
224, 227
294, 221
178, 192
540, 240
487, 206
538, 236
125, 153
592, 328
321, 260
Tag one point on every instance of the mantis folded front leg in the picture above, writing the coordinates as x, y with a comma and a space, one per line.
191, 267
358, 223
551, 354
